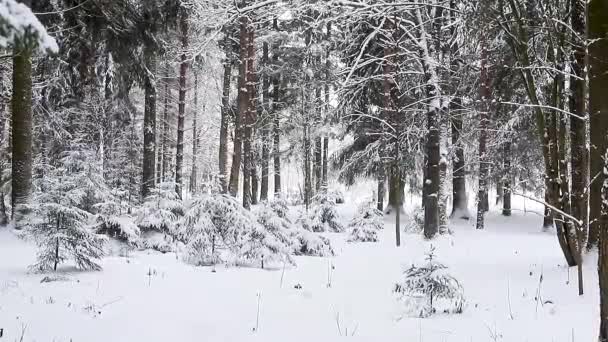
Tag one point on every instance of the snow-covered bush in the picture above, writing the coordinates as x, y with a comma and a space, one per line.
60, 221
217, 229
273, 216
365, 225
62, 233
337, 195
279, 206
122, 228
274, 219
161, 210
310, 244
430, 288
322, 216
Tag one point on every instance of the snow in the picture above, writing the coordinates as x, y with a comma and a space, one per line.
150, 296
18, 22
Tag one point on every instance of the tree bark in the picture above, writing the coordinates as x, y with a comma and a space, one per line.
598, 109
181, 111
243, 102
485, 95
248, 164
506, 179
223, 150
276, 117
459, 188
149, 150
265, 124
193, 174
165, 137
21, 105
318, 142
578, 130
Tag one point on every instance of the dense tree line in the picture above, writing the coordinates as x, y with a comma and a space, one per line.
437, 97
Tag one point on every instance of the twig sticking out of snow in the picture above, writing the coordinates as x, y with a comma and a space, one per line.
330, 272
345, 332
509, 299
257, 316
283, 273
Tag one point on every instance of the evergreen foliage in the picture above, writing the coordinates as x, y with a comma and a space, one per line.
365, 224
61, 222
322, 216
429, 288
217, 229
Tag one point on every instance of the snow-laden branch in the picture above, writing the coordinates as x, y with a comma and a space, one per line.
568, 216
362, 51
544, 107
20, 27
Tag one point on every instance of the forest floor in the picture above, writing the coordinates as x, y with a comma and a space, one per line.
149, 296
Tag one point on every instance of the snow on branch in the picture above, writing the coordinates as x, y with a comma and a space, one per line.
20, 27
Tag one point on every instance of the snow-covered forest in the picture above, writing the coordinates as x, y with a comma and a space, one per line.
304, 170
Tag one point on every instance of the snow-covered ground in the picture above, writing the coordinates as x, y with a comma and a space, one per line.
149, 296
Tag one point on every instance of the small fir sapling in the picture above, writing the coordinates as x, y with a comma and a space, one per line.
59, 222
217, 229
273, 216
160, 210
310, 244
430, 288
323, 215
365, 224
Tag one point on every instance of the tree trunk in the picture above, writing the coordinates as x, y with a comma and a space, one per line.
248, 155
243, 102
165, 137
21, 105
484, 118
193, 174
395, 191
223, 153
443, 217
265, 124
506, 179
598, 109
276, 116
149, 150
459, 188
318, 142
578, 129
181, 111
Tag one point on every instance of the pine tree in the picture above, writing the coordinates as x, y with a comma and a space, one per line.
598, 111
183, 70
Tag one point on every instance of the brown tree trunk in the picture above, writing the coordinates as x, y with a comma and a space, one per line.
459, 188
181, 111
506, 179
193, 174
21, 105
165, 137
223, 150
318, 142
598, 109
276, 116
485, 95
248, 164
243, 103
149, 150
265, 125
578, 129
